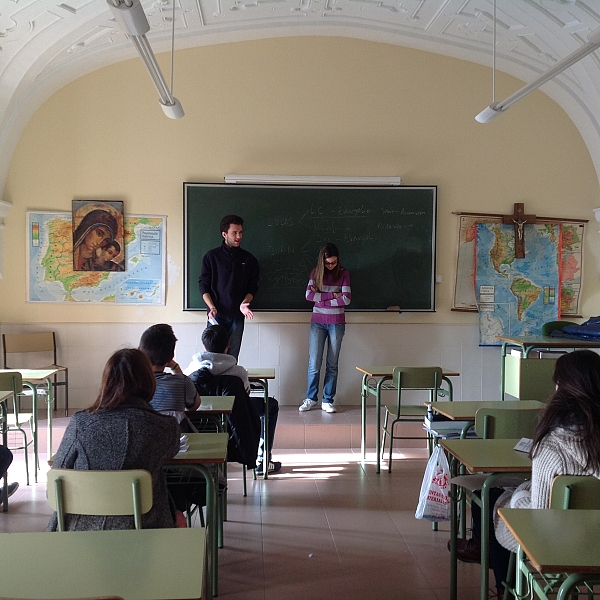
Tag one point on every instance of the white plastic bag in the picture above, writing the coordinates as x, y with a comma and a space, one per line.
434, 499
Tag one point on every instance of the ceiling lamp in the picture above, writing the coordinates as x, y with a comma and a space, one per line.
494, 109
132, 20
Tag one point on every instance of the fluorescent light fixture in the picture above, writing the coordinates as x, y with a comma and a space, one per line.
493, 110
311, 180
132, 20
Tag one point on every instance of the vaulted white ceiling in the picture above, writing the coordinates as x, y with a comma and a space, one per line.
45, 44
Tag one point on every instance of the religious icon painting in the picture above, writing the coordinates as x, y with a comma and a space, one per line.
98, 235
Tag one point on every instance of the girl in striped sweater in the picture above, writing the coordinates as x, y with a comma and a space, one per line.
329, 288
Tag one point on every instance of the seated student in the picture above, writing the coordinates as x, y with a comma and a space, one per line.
566, 441
175, 393
215, 360
121, 431
6, 458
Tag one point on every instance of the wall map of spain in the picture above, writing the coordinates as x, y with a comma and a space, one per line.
51, 278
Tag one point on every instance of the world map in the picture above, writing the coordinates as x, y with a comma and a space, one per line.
465, 297
516, 295
51, 278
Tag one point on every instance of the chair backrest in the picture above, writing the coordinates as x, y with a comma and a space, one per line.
22, 343
550, 326
12, 381
108, 493
417, 378
575, 491
503, 423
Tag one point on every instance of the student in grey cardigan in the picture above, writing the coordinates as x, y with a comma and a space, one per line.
121, 431
566, 442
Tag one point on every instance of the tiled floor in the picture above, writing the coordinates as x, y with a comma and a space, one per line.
325, 527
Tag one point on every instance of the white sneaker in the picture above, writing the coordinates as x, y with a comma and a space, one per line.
328, 407
306, 405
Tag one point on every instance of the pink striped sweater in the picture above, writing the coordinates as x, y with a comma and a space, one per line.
329, 310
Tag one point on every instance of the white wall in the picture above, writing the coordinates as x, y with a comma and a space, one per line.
85, 347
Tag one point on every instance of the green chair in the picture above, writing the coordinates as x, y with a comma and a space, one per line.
550, 326
111, 493
503, 423
410, 378
15, 420
581, 492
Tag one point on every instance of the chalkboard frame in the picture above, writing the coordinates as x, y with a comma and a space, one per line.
192, 204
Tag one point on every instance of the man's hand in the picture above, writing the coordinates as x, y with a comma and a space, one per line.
212, 313
245, 310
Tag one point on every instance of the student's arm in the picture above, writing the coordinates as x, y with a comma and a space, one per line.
192, 398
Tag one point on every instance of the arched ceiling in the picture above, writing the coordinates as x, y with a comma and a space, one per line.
45, 44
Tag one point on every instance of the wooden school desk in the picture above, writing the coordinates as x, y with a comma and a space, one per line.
134, 564
496, 457
557, 541
528, 343
205, 449
465, 411
375, 380
261, 377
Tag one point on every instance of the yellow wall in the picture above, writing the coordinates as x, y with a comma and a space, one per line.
307, 105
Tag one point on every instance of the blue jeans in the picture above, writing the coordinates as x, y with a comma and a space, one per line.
235, 329
319, 334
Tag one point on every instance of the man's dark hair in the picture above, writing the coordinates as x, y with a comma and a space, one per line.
230, 220
215, 338
158, 344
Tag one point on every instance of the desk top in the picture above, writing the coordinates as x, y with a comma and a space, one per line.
256, 373
557, 540
493, 456
538, 341
388, 371
204, 448
35, 374
465, 411
129, 563
214, 405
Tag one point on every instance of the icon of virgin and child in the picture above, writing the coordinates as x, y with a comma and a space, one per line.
98, 236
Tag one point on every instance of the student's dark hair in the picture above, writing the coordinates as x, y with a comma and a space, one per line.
215, 338
158, 344
228, 220
127, 373
327, 251
576, 404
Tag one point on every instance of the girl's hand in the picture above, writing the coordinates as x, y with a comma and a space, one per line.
313, 289
337, 294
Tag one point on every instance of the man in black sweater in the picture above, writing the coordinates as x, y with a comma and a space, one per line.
229, 281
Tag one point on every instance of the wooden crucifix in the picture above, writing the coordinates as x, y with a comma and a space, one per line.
518, 219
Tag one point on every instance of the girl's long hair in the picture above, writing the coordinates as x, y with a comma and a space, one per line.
127, 373
575, 405
327, 251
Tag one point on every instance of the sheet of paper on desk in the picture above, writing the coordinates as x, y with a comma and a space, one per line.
524, 445
183, 443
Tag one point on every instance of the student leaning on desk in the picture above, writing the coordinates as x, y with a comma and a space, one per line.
566, 442
121, 431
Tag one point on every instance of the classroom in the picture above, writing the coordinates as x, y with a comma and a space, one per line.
350, 102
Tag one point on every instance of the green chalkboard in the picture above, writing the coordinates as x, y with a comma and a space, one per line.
385, 235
